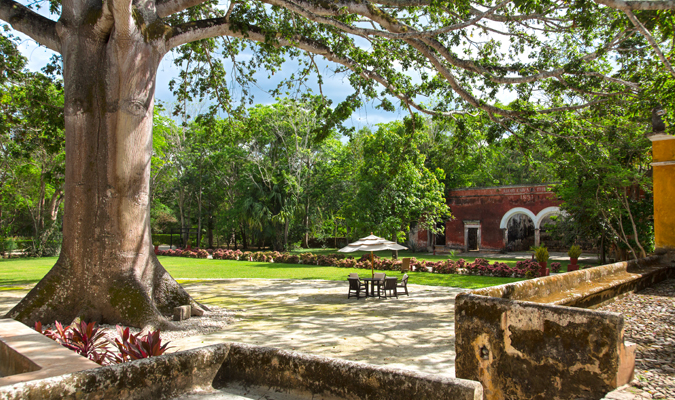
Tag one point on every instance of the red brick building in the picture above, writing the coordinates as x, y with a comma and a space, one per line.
494, 218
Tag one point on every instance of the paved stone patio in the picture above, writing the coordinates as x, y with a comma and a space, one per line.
313, 316
414, 332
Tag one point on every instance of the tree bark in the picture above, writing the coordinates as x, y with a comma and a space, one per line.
107, 270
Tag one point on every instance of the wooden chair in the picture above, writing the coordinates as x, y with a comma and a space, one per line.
363, 284
355, 288
405, 264
404, 284
390, 285
379, 278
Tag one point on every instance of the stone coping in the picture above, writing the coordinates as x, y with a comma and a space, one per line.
28, 355
588, 287
211, 367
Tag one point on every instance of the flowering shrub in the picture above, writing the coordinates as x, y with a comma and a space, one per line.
287, 258
528, 269
446, 267
346, 263
366, 257
201, 253
308, 258
480, 266
555, 267
420, 266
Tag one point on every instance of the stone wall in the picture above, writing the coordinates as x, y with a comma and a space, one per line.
217, 366
520, 343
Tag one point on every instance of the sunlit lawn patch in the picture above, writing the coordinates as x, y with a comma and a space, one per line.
30, 270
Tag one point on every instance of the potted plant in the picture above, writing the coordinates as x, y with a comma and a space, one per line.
541, 254
574, 253
156, 243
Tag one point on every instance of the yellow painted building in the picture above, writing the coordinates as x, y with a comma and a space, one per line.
663, 162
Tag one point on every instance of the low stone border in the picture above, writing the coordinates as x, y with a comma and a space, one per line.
27, 355
216, 366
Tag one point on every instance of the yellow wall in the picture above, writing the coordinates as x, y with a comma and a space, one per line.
664, 193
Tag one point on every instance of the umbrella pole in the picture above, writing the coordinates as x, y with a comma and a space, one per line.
372, 265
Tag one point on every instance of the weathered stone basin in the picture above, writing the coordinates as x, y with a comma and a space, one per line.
537, 339
221, 371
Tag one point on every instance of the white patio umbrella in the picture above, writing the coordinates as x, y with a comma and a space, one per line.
372, 243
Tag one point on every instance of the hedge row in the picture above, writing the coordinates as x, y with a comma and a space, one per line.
480, 266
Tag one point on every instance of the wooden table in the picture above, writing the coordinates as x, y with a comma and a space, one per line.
372, 281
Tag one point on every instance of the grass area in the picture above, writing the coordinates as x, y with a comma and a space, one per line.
23, 271
180, 267
30, 270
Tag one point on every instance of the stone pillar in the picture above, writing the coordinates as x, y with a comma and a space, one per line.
466, 238
663, 162
537, 238
506, 237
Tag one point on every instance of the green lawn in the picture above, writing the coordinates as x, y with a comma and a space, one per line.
30, 270
22, 271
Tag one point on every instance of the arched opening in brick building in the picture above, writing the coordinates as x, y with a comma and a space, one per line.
440, 236
520, 233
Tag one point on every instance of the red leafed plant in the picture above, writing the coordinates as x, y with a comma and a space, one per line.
91, 342
134, 347
84, 338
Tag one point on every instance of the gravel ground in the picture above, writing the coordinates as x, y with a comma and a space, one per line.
214, 320
650, 323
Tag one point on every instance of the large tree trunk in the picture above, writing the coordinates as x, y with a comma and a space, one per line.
107, 270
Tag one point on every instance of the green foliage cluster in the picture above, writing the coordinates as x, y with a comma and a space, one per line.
280, 176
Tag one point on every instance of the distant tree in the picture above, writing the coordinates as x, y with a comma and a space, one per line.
393, 188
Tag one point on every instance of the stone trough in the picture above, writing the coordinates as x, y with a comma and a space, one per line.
534, 339
230, 370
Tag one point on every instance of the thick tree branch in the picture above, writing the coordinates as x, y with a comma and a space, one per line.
27, 21
167, 7
205, 29
122, 12
318, 17
651, 40
639, 5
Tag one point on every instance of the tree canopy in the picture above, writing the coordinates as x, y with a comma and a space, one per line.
526, 67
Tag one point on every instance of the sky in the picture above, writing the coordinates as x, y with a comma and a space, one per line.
335, 87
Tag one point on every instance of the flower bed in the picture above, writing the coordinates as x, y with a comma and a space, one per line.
480, 266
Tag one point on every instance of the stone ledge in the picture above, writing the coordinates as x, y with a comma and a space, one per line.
31, 355
588, 287
206, 368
